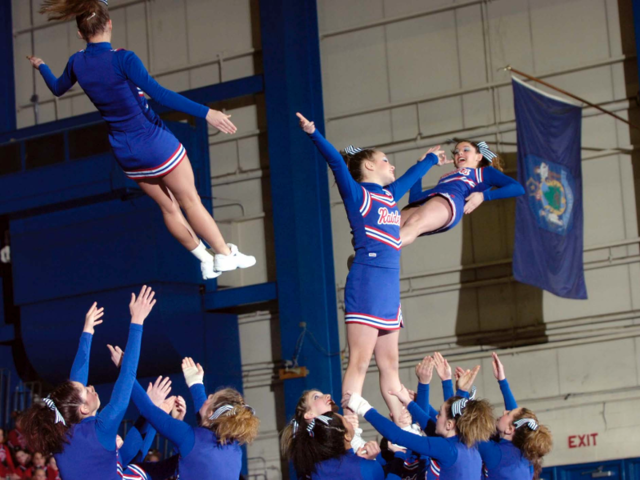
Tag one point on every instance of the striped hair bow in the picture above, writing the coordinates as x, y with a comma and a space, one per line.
351, 150
105, 2
474, 391
226, 408
486, 153
294, 425
51, 404
458, 407
529, 422
312, 424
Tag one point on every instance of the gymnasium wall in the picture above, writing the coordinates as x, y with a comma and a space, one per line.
403, 75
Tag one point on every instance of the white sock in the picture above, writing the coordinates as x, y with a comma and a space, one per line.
200, 252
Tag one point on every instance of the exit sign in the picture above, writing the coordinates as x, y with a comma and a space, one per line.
579, 441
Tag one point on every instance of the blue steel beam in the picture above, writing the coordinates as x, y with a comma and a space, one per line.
7, 82
299, 194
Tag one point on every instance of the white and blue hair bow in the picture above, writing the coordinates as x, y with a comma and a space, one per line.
105, 2
458, 407
312, 424
486, 153
51, 404
226, 408
529, 422
351, 150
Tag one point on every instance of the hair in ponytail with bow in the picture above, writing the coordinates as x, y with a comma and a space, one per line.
46, 423
231, 419
91, 16
312, 442
533, 440
474, 419
489, 159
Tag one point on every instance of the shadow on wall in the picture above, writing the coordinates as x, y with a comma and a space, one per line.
494, 309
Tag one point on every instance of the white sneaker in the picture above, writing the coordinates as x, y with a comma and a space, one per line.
224, 263
208, 270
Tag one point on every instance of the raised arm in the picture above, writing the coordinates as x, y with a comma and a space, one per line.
424, 372
136, 72
178, 432
413, 176
194, 377
465, 380
108, 420
444, 372
58, 86
498, 372
490, 453
80, 367
349, 189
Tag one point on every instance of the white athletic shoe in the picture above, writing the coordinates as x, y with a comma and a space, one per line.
225, 263
208, 270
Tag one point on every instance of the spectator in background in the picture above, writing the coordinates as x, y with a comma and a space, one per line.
38, 461
22, 463
39, 474
52, 469
15, 439
153, 456
6, 462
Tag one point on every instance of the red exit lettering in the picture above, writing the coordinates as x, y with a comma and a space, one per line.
587, 440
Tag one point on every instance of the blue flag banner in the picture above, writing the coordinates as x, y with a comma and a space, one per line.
549, 220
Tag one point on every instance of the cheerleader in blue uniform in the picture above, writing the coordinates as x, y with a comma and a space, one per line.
67, 422
460, 425
517, 453
461, 191
369, 190
115, 80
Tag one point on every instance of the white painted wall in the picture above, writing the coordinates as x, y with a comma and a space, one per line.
403, 86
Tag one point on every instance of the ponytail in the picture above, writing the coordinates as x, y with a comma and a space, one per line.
476, 423
91, 15
534, 444
236, 420
39, 425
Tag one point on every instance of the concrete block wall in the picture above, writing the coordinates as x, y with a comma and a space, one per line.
403, 75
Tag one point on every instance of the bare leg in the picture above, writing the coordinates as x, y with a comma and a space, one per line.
173, 218
182, 184
362, 341
386, 352
430, 216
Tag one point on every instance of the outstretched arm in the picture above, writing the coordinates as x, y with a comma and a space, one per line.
348, 187
135, 71
498, 372
194, 377
413, 176
444, 372
80, 367
424, 372
506, 186
58, 86
108, 420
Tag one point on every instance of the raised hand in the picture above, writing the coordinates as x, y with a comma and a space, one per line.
168, 403
442, 366
473, 201
92, 318
424, 370
466, 379
159, 390
221, 121
403, 395
193, 372
370, 450
141, 307
116, 355
306, 125
35, 61
498, 368
441, 154
179, 409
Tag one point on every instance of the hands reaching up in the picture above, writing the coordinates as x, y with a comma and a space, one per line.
116, 355
193, 372
306, 125
93, 318
159, 390
441, 154
498, 368
442, 366
35, 61
466, 378
424, 370
141, 306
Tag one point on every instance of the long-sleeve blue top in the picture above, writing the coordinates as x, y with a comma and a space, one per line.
93, 440
371, 208
80, 367
136, 445
110, 89
422, 399
349, 467
502, 459
201, 455
465, 181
